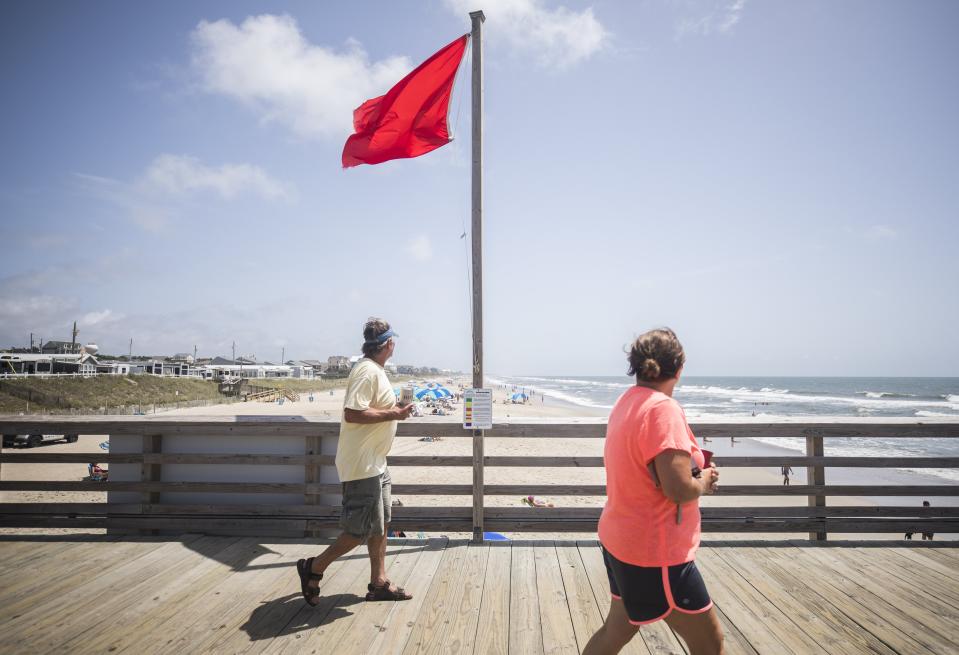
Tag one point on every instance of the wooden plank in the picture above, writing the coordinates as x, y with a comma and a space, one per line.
922, 576
126, 625
33, 583
859, 605
783, 567
820, 620
45, 624
843, 462
585, 613
394, 633
525, 624
938, 615
277, 601
151, 444
492, 637
336, 626
929, 428
164, 458
933, 560
162, 619
479, 484
856, 511
19, 555
459, 635
892, 605
554, 611
311, 475
171, 487
369, 618
743, 606
595, 569
839, 490
816, 476
460, 460
428, 632
337, 594
734, 641
294, 523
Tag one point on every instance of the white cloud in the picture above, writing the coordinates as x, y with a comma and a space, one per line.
157, 196
96, 318
557, 38
420, 248
268, 64
179, 175
710, 16
881, 232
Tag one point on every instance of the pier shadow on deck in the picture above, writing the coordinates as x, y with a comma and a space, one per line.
202, 594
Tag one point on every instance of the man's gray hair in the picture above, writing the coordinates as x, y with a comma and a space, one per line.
374, 327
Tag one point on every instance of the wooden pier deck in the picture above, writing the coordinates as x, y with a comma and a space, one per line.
215, 594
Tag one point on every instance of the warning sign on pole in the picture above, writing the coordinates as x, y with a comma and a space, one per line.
478, 409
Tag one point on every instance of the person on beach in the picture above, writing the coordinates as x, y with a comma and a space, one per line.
787, 471
370, 416
925, 535
649, 529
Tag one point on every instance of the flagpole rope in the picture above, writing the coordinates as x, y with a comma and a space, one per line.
466, 241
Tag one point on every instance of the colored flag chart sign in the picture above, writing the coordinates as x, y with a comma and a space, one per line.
478, 409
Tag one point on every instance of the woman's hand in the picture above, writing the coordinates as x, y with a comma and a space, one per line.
710, 480
675, 472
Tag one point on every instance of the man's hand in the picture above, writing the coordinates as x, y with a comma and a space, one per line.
403, 412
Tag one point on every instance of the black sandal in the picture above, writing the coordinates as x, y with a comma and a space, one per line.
385, 593
305, 568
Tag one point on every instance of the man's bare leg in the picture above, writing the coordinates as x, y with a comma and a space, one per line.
377, 547
343, 544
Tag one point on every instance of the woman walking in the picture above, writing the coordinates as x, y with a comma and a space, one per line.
650, 527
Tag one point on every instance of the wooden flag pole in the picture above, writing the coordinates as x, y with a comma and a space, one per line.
477, 19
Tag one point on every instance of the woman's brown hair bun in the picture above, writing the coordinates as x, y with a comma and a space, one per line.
656, 355
650, 370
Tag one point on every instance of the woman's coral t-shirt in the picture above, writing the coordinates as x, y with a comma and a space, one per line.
638, 525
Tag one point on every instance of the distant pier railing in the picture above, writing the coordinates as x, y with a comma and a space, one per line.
276, 476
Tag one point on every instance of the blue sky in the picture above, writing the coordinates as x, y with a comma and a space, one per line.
777, 181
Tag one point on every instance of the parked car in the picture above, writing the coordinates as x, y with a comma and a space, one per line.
34, 440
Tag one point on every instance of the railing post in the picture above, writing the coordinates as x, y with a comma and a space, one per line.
312, 476
478, 486
816, 475
152, 444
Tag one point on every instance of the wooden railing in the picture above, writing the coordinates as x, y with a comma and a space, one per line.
275, 476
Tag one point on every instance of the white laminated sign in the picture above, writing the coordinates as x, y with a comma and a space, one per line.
478, 409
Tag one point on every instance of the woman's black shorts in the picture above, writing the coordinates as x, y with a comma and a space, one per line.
650, 593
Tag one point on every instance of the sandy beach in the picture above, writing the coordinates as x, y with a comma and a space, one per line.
327, 405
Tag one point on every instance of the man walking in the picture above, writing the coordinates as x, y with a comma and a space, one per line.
370, 415
787, 471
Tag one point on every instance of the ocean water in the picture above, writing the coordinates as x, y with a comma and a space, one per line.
799, 397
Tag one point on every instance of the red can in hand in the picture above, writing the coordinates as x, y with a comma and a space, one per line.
707, 458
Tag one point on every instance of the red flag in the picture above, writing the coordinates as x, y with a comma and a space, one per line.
411, 119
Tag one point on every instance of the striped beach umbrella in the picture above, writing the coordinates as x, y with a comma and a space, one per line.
435, 393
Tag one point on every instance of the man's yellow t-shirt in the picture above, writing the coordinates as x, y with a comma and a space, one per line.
362, 448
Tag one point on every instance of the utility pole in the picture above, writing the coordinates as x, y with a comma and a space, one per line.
73, 342
131, 349
31, 342
194, 353
283, 355
234, 355
477, 18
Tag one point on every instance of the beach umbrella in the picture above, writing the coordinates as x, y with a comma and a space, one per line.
432, 390
519, 398
426, 393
